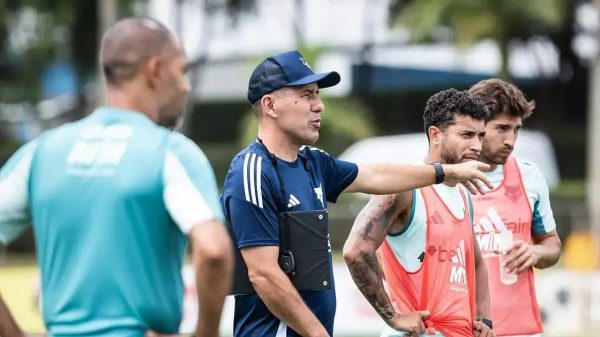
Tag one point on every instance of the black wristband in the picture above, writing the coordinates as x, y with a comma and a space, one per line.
439, 172
486, 322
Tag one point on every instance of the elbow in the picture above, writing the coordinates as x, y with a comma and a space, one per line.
352, 251
260, 277
216, 254
549, 253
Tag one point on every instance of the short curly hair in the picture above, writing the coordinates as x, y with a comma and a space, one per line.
442, 107
502, 98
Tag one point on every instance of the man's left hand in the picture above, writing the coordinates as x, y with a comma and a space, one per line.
521, 256
482, 330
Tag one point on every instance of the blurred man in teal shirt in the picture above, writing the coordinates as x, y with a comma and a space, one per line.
114, 197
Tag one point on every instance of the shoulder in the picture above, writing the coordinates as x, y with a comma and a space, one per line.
250, 170
251, 159
314, 153
185, 151
329, 163
21, 159
529, 170
179, 143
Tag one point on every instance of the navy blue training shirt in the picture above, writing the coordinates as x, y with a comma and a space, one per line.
252, 198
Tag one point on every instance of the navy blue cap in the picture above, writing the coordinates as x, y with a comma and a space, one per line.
287, 69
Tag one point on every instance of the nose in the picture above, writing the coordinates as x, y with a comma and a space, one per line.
318, 105
476, 145
510, 140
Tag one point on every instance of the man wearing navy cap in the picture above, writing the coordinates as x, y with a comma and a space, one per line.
280, 176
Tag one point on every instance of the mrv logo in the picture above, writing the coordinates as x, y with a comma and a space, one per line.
458, 272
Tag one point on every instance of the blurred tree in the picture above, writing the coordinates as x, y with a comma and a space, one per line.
345, 121
36, 33
472, 20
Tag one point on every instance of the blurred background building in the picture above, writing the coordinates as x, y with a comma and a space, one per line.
392, 55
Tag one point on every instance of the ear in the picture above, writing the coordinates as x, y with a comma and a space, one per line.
435, 135
152, 71
268, 105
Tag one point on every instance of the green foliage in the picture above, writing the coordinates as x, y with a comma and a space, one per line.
570, 189
473, 20
34, 33
344, 121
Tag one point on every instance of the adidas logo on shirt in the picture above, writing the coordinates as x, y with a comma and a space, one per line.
486, 230
293, 201
458, 274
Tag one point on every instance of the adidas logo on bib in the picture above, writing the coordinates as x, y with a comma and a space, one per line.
458, 274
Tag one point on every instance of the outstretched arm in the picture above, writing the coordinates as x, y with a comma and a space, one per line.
360, 252
389, 179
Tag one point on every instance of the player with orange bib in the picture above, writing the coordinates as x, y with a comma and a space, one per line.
518, 207
436, 279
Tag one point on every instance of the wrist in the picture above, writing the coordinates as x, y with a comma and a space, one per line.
487, 322
537, 255
388, 319
440, 173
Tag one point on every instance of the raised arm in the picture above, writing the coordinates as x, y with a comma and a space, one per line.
390, 179
360, 252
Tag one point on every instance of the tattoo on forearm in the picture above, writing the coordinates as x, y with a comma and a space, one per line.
366, 273
366, 232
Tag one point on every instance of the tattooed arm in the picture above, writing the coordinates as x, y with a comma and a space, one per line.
381, 214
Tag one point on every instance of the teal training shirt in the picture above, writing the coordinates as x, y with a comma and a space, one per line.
111, 198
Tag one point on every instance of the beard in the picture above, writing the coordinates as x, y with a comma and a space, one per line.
449, 156
493, 157
171, 113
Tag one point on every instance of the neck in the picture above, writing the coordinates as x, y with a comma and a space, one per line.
279, 144
125, 98
433, 156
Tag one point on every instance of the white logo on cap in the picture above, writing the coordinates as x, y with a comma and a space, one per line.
303, 60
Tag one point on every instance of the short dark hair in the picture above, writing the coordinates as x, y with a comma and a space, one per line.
502, 98
442, 107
